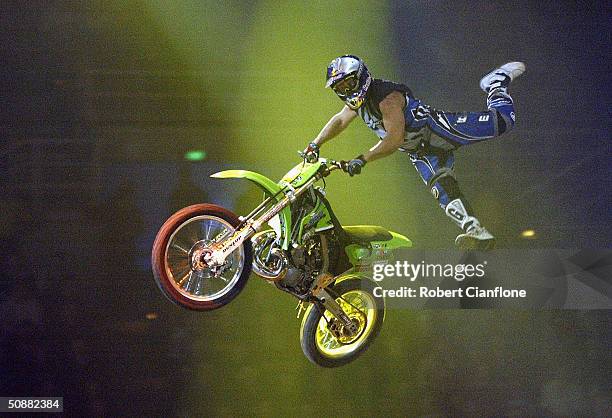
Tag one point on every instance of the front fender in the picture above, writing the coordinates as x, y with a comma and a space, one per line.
267, 185
270, 189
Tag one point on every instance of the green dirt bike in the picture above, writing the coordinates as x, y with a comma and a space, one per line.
203, 256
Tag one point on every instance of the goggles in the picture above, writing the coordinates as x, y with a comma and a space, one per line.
346, 85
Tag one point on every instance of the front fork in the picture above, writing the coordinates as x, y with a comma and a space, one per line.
329, 302
322, 297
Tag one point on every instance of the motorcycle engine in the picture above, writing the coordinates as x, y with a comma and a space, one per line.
292, 270
306, 262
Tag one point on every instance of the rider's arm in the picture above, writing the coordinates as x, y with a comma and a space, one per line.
336, 124
392, 109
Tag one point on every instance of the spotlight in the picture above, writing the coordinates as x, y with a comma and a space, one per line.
528, 233
195, 155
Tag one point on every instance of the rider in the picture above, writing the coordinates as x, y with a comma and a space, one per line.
429, 136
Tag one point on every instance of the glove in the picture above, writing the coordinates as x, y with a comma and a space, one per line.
311, 153
354, 166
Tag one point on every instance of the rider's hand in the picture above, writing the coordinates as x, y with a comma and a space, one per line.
354, 166
311, 153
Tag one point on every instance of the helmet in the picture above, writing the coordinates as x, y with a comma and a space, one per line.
350, 79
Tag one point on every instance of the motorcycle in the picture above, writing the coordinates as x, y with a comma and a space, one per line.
204, 254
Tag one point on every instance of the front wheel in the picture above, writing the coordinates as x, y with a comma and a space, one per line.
177, 263
323, 339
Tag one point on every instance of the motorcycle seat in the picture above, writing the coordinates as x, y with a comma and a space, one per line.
367, 233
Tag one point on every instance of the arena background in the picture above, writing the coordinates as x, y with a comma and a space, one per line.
103, 100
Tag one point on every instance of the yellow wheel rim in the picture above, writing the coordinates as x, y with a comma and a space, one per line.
361, 308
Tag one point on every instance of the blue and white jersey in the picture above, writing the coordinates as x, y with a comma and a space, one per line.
424, 124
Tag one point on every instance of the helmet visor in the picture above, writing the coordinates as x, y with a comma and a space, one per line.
347, 85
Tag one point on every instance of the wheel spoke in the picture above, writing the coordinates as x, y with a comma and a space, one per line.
330, 340
179, 247
207, 234
199, 284
182, 272
180, 282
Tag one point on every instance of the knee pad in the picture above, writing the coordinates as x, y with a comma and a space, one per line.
450, 185
505, 118
447, 188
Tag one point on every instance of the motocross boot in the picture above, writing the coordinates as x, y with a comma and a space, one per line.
475, 237
497, 81
501, 77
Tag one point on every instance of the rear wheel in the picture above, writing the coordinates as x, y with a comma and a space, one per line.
323, 338
178, 252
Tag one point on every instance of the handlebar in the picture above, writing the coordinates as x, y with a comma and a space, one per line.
330, 165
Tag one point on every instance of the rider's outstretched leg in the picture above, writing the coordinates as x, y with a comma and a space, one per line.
465, 128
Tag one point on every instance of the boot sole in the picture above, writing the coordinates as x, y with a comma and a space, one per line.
470, 243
